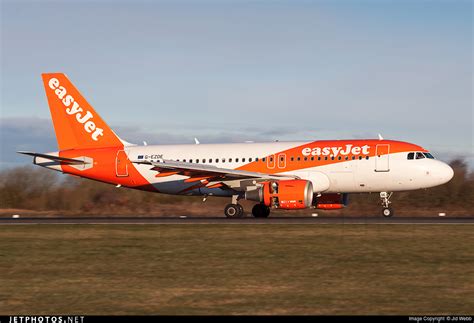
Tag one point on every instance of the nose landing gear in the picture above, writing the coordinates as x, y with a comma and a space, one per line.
387, 211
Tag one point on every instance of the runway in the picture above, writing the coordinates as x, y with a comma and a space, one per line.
247, 221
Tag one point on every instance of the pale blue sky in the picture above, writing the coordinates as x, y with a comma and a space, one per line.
226, 71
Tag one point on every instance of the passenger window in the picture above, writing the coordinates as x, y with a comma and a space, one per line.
264, 159
419, 156
298, 159
292, 158
347, 157
210, 160
223, 160
230, 160
243, 160
367, 157
197, 161
332, 158
184, 160
217, 160
271, 159
339, 157
236, 160
411, 156
203, 161
312, 158
306, 158
326, 158
256, 159
250, 159
319, 158
353, 157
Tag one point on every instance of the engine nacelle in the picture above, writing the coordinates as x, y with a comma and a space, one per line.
286, 194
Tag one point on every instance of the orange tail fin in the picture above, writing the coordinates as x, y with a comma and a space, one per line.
76, 123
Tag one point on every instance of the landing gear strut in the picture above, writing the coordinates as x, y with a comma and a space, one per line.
387, 211
234, 209
260, 211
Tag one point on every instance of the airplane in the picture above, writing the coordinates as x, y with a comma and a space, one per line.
276, 175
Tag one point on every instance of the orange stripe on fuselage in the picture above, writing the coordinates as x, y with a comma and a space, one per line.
166, 174
196, 179
295, 152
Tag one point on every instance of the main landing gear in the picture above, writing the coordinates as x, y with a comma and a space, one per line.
260, 211
387, 211
234, 209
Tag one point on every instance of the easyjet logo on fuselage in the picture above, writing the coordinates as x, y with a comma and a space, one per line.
336, 151
81, 117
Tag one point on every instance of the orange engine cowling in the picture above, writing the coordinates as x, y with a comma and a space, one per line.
286, 194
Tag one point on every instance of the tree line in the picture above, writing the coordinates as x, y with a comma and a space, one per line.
38, 189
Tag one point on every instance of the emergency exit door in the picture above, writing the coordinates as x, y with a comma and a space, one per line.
382, 158
121, 163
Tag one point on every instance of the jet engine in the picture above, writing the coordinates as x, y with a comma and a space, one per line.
285, 194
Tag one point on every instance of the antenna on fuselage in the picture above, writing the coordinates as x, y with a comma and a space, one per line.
380, 137
196, 141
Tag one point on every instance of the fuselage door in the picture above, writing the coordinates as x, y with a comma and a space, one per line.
281, 161
121, 163
271, 161
382, 158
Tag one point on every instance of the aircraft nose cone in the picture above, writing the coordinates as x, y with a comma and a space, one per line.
445, 173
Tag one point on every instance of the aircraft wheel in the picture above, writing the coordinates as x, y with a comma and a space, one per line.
241, 213
267, 211
260, 211
233, 210
387, 212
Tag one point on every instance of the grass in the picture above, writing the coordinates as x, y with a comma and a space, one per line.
237, 269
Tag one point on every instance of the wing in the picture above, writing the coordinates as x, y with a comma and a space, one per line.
208, 173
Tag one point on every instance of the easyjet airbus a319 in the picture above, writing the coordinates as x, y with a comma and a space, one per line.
285, 175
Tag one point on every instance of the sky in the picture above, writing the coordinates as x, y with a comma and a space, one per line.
232, 71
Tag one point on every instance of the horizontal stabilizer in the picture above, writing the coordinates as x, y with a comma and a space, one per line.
70, 161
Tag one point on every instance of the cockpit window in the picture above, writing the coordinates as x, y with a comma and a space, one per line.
420, 156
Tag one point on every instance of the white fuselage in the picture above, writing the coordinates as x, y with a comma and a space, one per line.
359, 175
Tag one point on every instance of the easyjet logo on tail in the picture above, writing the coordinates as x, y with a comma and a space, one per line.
335, 151
83, 117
